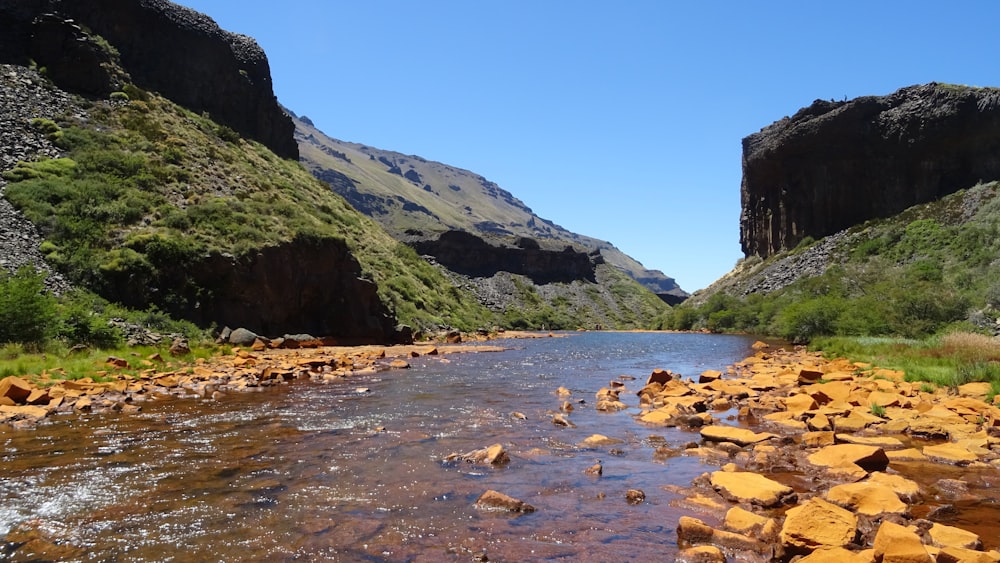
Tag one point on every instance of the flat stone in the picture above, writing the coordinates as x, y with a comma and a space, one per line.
752, 488
977, 390
896, 544
739, 436
909, 454
800, 402
952, 554
701, 554
27, 411
595, 440
884, 442
817, 524
869, 458
867, 498
747, 523
950, 536
834, 555
951, 453
817, 439
907, 490
692, 531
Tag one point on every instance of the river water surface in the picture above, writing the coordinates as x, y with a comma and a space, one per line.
317, 472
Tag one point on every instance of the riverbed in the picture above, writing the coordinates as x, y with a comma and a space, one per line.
355, 470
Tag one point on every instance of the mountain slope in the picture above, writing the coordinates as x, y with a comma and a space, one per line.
418, 200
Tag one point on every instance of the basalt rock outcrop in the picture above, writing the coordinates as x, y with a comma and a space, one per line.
837, 164
171, 49
304, 286
470, 255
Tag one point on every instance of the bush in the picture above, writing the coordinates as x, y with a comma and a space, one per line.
27, 312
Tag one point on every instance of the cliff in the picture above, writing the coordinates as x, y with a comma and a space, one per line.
93, 47
470, 255
837, 164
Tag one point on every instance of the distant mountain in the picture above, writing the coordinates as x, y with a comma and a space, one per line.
417, 200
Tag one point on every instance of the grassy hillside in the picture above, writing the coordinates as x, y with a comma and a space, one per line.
146, 184
931, 269
414, 198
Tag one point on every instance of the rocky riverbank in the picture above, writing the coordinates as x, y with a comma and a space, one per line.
124, 384
832, 461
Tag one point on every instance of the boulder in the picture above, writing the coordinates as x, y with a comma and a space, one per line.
896, 544
242, 337
740, 436
496, 501
817, 524
751, 488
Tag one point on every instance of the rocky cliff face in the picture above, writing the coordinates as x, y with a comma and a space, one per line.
305, 286
470, 255
171, 49
837, 164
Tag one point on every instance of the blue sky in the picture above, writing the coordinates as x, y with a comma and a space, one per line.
618, 120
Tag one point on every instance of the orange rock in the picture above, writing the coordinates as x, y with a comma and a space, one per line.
800, 402
834, 555
15, 389
867, 498
870, 458
950, 453
692, 531
896, 544
660, 376
739, 436
950, 536
751, 488
817, 524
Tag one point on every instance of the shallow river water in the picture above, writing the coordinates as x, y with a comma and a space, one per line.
312, 472
302, 472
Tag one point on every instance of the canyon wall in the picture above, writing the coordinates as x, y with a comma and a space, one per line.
837, 164
162, 46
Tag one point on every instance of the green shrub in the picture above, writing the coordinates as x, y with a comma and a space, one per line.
27, 311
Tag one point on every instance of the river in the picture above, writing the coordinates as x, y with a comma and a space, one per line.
355, 470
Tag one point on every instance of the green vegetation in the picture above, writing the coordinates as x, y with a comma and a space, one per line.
900, 293
148, 186
930, 270
948, 360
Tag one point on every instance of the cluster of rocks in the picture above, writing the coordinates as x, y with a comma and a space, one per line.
827, 463
123, 384
24, 97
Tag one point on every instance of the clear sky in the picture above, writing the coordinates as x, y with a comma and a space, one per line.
618, 120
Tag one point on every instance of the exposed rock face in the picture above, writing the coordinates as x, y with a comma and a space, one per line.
837, 164
305, 286
171, 49
470, 255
